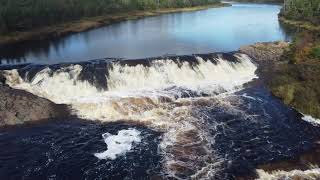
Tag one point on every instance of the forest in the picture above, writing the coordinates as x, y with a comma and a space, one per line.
261, 1
305, 10
21, 15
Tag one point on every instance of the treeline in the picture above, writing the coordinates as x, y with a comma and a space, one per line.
20, 15
261, 1
306, 10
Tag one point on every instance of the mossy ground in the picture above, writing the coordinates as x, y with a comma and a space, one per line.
297, 82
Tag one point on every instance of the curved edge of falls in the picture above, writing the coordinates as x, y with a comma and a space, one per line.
160, 93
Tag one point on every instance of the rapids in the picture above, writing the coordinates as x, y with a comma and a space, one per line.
213, 124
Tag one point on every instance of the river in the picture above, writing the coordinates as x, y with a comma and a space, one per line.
201, 116
213, 30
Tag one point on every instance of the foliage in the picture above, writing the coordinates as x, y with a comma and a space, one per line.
315, 52
298, 82
305, 47
298, 86
20, 15
261, 1
306, 10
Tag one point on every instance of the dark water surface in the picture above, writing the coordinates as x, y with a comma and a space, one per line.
213, 30
211, 131
65, 150
259, 129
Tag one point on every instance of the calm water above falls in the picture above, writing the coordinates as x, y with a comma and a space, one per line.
218, 29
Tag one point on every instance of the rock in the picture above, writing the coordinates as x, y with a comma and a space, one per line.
269, 52
18, 107
267, 55
2, 79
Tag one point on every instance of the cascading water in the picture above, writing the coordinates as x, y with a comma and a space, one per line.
313, 173
198, 103
136, 92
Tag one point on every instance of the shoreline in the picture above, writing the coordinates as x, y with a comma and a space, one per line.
275, 2
268, 56
85, 24
294, 24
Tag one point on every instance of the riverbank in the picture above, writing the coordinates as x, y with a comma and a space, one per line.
297, 81
85, 24
267, 55
289, 77
299, 25
260, 1
294, 76
299, 94
20, 107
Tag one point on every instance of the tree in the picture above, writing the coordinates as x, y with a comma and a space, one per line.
20, 15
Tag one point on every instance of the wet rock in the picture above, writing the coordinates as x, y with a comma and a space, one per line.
267, 55
2, 79
18, 107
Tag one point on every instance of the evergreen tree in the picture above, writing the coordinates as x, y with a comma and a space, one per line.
307, 10
20, 15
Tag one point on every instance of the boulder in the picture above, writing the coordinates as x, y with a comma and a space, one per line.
18, 107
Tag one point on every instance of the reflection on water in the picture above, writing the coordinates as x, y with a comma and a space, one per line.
212, 30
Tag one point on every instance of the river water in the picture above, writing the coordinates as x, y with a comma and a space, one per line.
213, 30
203, 116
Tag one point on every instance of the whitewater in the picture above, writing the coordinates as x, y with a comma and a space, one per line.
198, 102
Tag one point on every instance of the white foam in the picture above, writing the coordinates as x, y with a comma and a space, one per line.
61, 86
135, 91
206, 77
119, 144
310, 174
138, 93
310, 119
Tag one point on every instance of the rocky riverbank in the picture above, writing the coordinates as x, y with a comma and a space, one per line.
267, 55
296, 85
294, 82
266, 52
18, 107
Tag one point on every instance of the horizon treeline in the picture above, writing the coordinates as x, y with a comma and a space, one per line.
306, 10
261, 1
21, 15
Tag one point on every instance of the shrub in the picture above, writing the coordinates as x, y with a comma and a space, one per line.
315, 52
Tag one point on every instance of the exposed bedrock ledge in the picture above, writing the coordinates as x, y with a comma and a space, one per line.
267, 52
268, 55
18, 107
